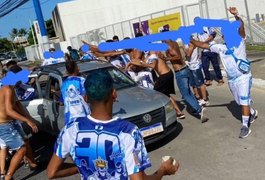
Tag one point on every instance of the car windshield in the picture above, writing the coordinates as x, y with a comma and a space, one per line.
120, 80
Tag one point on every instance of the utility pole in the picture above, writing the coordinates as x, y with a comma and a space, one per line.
44, 34
226, 11
249, 23
34, 40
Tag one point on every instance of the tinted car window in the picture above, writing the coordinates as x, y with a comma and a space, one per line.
119, 78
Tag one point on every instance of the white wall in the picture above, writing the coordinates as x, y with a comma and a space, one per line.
80, 16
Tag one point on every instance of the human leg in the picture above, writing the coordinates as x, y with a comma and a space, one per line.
200, 86
15, 162
29, 158
216, 66
205, 66
183, 79
241, 92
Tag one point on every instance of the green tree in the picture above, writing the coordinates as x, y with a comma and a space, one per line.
5, 45
50, 28
13, 33
22, 32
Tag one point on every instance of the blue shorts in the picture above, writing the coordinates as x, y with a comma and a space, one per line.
197, 79
10, 134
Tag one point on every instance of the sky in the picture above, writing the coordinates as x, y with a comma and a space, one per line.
20, 17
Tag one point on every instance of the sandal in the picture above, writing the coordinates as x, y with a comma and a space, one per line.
208, 83
181, 116
220, 83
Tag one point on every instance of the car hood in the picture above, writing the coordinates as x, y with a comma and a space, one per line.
137, 100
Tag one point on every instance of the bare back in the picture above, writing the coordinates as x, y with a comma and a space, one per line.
174, 51
3, 115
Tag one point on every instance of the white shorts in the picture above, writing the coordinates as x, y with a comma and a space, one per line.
144, 78
241, 90
2, 144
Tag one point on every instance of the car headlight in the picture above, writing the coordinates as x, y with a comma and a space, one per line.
169, 107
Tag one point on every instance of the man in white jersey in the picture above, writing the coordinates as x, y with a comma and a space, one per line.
197, 81
239, 78
72, 94
103, 147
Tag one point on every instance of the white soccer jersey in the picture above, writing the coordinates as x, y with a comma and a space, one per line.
108, 150
228, 61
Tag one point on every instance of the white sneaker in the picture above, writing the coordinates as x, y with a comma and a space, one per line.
203, 116
203, 102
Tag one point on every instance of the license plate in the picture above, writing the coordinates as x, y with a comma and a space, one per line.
153, 129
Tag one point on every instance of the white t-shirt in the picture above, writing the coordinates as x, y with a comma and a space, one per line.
194, 62
207, 32
228, 61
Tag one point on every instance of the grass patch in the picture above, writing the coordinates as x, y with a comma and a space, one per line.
255, 47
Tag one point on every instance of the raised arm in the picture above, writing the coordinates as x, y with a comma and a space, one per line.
200, 44
241, 30
93, 48
188, 51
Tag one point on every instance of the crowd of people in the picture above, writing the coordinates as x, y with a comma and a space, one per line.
103, 147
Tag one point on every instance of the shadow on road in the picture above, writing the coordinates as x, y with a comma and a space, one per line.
233, 107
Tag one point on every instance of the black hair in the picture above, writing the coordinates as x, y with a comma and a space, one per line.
15, 69
51, 49
139, 34
126, 38
70, 66
10, 63
115, 38
109, 40
164, 30
98, 85
69, 48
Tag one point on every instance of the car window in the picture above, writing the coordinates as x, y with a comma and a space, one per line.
54, 90
119, 78
43, 80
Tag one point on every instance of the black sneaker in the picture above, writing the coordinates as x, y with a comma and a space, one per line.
253, 117
244, 132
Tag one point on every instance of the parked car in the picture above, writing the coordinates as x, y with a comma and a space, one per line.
150, 110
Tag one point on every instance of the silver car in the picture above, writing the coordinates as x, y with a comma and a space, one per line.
150, 110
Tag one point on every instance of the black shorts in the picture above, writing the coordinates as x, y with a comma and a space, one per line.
165, 84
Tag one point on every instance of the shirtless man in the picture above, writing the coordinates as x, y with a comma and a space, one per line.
183, 77
10, 109
165, 81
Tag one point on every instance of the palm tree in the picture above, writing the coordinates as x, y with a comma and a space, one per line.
22, 32
14, 33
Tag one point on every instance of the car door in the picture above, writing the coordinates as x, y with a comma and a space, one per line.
35, 107
53, 112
